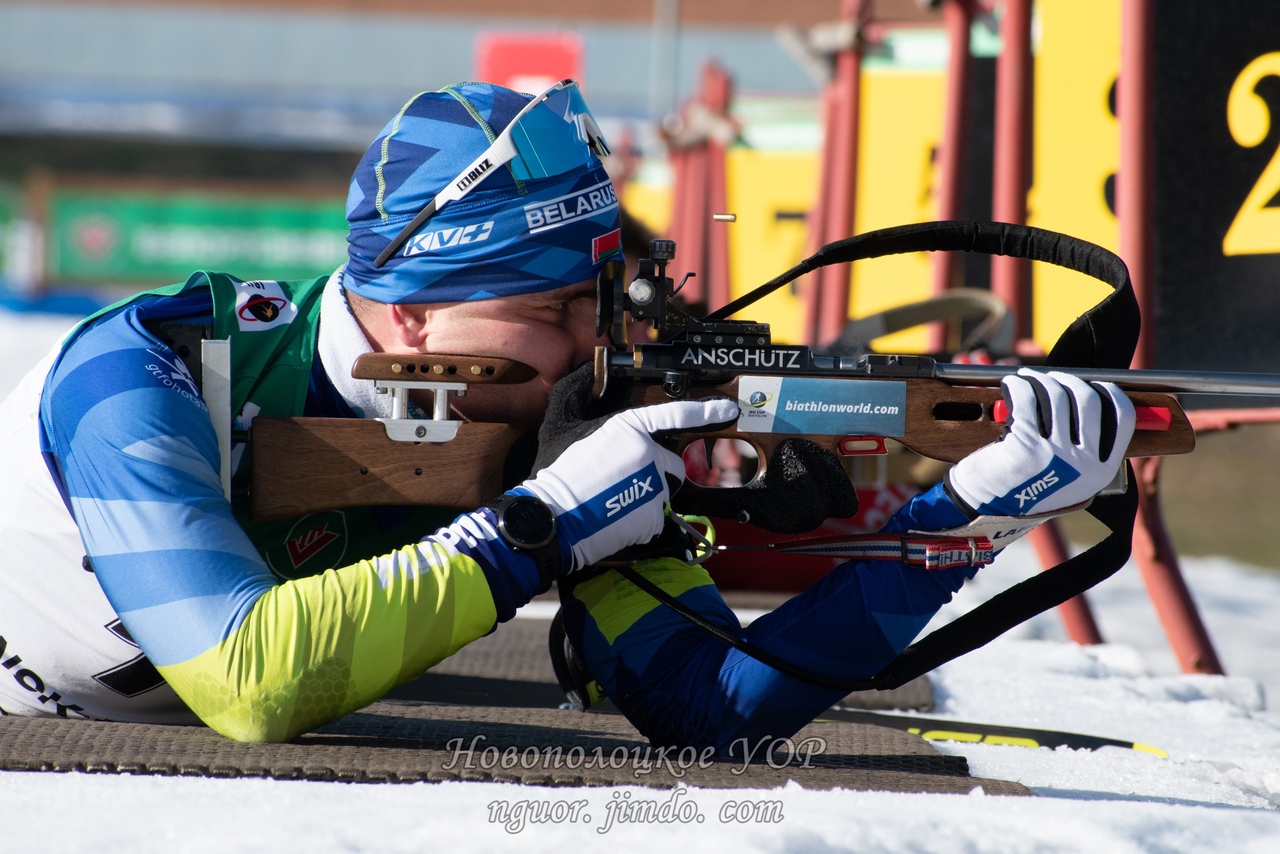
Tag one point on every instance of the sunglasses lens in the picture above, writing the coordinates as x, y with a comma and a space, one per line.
557, 136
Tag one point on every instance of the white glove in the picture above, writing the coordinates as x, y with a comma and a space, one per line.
609, 490
1039, 465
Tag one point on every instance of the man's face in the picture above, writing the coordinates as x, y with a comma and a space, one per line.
552, 332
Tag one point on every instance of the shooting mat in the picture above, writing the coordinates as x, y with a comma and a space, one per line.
491, 713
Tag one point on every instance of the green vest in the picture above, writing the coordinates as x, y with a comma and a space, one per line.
273, 328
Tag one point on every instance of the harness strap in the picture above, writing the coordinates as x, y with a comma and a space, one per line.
926, 551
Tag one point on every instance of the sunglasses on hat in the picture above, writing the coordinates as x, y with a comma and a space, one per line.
553, 134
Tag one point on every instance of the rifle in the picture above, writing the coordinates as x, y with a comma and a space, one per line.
848, 404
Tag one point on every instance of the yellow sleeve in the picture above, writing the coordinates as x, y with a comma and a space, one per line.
313, 649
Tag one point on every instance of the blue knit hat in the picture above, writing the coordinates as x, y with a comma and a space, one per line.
545, 219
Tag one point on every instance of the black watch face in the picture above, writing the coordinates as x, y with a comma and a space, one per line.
528, 522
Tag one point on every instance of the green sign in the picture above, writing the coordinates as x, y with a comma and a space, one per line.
10, 206
134, 237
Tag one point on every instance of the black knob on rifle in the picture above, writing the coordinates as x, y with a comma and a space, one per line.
662, 250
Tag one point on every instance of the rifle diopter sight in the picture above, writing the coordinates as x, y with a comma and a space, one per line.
650, 297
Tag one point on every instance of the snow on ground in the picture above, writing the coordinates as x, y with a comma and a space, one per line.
1219, 789
24, 340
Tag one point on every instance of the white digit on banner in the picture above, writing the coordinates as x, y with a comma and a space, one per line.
1256, 228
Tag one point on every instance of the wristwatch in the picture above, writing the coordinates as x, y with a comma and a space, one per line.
527, 524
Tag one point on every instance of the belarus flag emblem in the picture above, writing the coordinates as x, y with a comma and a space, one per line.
606, 246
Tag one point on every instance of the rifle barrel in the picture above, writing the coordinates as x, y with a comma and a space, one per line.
1180, 382
653, 360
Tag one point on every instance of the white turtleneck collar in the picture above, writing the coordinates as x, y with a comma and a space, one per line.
341, 341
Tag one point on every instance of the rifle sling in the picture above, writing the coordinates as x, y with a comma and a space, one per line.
1106, 336
968, 632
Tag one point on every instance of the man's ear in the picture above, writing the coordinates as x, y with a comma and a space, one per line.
409, 324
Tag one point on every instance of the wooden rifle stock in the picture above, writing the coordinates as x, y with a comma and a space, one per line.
943, 422
307, 465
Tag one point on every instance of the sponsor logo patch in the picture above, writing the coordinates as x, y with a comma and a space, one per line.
262, 309
314, 543
306, 546
173, 373
1026, 496
545, 216
633, 493
835, 407
1033, 491
262, 305
475, 174
33, 682
635, 490
740, 357
432, 241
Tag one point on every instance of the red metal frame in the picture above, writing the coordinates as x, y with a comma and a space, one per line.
1011, 169
827, 291
1152, 549
958, 20
697, 140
